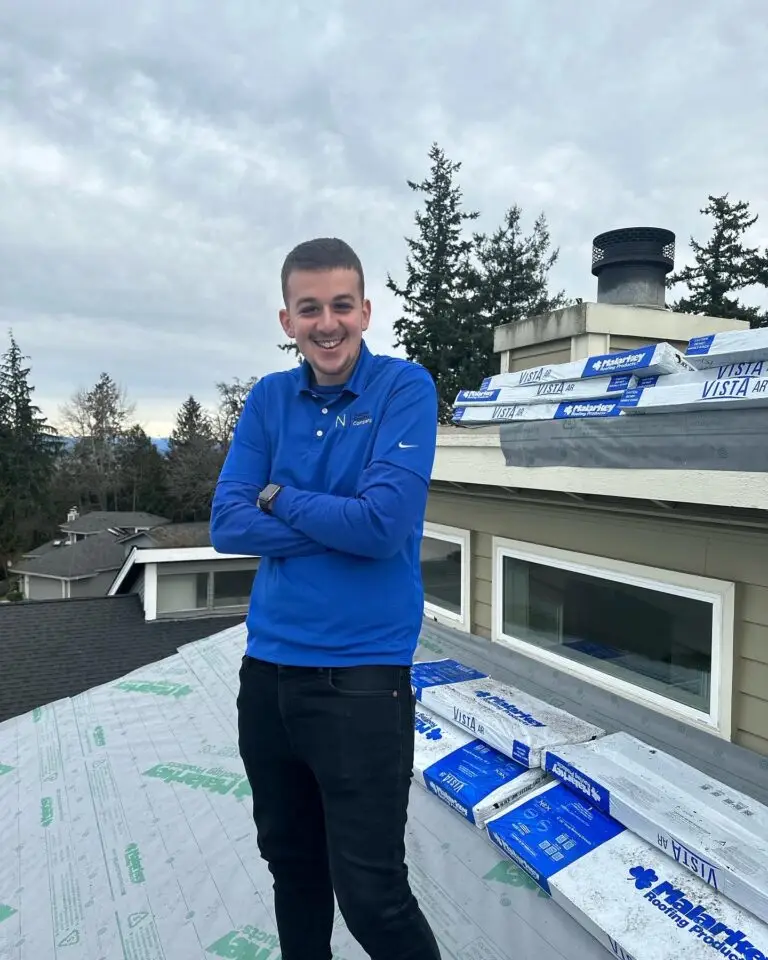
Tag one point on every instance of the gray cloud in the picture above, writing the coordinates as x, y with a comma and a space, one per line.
156, 163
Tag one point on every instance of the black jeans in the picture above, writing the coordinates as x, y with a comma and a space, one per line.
329, 757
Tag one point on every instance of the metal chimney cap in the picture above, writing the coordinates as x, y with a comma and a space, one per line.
652, 246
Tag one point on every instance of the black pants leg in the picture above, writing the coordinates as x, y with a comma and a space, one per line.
289, 818
351, 730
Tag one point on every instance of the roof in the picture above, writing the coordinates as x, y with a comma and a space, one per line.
98, 520
57, 648
143, 779
84, 558
177, 535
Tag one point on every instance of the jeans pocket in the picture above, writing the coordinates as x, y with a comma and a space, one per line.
367, 681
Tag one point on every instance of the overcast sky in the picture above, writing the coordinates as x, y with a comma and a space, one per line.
157, 162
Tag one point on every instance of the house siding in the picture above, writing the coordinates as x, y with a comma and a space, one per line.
620, 343
43, 588
94, 586
536, 355
695, 548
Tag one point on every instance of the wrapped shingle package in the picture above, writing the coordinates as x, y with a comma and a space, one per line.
637, 902
725, 371
656, 358
547, 391
515, 723
715, 394
716, 832
505, 413
731, 346
465, 773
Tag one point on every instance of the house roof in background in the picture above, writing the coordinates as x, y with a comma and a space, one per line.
51, 649
69, 561
98, 520
175, 535
43, 548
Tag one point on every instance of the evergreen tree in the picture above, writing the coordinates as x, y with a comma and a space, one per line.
141, 469
194, 462
28, 449
437, 293
513, 272
724, 266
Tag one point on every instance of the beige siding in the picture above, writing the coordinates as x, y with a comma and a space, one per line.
619, 343
704, 550
555, 351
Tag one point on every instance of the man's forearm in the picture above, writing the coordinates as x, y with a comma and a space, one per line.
374, 524
238, 525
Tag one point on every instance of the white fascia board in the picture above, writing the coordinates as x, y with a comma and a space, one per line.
479, 460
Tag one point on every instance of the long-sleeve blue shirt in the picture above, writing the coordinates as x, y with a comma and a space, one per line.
339, 582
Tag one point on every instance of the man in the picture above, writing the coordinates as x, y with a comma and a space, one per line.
326, 480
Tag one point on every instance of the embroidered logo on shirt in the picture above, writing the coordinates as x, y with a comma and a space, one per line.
407, 446
361, 419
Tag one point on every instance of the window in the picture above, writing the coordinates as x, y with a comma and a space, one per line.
445, 574
205, 590
232, 588
661, 638
177, 592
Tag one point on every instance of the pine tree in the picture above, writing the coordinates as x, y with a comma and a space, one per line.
141, 469
437, 293
194, 462
28, 450
513, 271
724, 266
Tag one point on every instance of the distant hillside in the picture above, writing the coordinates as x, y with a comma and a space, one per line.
161, 443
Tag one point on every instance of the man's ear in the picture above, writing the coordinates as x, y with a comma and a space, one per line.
366, 314
287, 324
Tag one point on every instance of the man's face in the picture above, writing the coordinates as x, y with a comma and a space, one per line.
327, 316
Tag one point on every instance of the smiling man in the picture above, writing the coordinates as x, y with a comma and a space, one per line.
326, 480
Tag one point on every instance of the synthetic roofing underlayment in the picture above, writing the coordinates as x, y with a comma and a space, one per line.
126, 831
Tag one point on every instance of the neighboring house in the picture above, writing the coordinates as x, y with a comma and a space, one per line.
178, 574
650, 585
58, 648
84, 560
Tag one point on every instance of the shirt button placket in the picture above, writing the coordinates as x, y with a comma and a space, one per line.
319, 433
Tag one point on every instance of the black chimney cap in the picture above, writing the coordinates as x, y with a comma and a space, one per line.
652, 246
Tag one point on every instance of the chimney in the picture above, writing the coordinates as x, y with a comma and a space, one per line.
631, 266
73, 514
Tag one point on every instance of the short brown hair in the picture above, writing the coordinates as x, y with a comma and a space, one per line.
322, 253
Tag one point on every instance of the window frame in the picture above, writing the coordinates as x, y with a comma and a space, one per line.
460, 537
210, 609
718, 593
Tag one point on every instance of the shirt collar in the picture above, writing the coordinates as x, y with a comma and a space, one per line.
357, 381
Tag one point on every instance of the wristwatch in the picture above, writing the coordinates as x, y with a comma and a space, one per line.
268, 496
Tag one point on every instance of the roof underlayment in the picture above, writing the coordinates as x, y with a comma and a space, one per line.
126, 832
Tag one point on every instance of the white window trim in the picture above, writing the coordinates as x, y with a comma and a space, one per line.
439, 531
720, 593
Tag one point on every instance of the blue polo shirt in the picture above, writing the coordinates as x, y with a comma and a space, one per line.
339, 581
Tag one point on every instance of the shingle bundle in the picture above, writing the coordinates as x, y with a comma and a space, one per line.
582, 388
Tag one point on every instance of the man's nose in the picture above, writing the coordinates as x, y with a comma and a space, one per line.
327, 321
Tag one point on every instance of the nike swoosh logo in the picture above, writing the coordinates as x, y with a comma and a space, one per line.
406, 446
